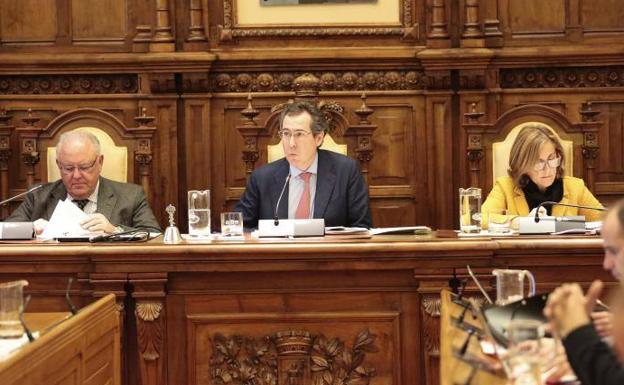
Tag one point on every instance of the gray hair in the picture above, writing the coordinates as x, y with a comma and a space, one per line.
81, 135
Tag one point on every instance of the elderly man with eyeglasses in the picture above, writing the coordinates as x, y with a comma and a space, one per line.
313, 183
113, 207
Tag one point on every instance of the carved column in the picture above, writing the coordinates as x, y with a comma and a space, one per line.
250, 132
196, 27
142, 39
474, 148
5, 156
162, 41
590, 127
103, 284
143, 150
472, 26
491, 24
28, 145
363, 131
439, 23
150, 312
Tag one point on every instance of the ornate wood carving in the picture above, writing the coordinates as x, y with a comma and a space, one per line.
590, 147
363, 131
568, 77
329, 81
474, 149
5, 155
250, 132
431, 325
196, 28
229, 30
143, 150
69, 84
290, 358
29, 135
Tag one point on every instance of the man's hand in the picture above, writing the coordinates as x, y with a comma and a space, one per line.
98, 222
40, 225
566, 308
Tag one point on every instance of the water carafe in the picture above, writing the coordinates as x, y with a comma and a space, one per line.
510, 285
470, 210
199, 213
11, 305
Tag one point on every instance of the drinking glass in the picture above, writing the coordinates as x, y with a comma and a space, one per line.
199, 213
525, 351
497, 221
231, 224
470, 210
510, 285
11, 304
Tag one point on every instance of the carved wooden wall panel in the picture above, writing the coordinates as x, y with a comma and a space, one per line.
19, 24
601, 16
535, 17
88, 25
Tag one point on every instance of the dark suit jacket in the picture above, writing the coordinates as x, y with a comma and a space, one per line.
123, 204
341, 193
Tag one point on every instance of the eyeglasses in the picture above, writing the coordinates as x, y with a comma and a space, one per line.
297, 135
67, 170
552, 163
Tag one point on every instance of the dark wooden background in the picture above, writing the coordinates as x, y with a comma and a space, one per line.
191, 66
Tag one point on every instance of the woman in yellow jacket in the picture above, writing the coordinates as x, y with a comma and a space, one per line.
536, 175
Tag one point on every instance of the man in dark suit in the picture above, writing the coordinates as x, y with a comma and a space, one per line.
321, 184
112, 206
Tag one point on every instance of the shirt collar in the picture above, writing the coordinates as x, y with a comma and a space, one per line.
92, 197
294, 171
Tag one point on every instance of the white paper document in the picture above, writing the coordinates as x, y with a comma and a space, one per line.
65, 222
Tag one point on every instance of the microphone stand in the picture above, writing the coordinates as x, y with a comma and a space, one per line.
275, 216
11, 199
553, 203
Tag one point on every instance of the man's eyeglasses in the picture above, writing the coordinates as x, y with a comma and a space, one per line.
67, 170
299, 134
552, 163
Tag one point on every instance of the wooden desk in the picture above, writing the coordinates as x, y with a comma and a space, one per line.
83, 349
188, 310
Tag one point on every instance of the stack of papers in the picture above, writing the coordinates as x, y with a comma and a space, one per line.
65, 222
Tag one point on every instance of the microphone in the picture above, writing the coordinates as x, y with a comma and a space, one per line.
553, 203
275, 218
11, 199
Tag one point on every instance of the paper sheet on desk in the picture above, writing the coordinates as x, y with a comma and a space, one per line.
65, 222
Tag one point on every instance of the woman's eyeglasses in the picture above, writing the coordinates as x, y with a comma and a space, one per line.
552, 163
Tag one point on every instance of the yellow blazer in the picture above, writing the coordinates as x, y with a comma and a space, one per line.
506, 195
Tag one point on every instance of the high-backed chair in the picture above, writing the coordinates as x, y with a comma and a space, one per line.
501, 151
276, 151
115, 158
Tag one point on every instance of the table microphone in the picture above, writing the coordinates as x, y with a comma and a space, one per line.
553, 203
11, 199
275, 217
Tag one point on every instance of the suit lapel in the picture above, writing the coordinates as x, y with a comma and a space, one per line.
59, 193
325, 183
276, 188
106, 199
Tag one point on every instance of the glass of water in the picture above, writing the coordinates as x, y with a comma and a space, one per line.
231, 224
199, 213
526, 351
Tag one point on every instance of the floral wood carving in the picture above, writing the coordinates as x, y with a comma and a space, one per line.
329, 81
553, 77
69, 84
148, 311
431, 325
149, 330
290, 358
